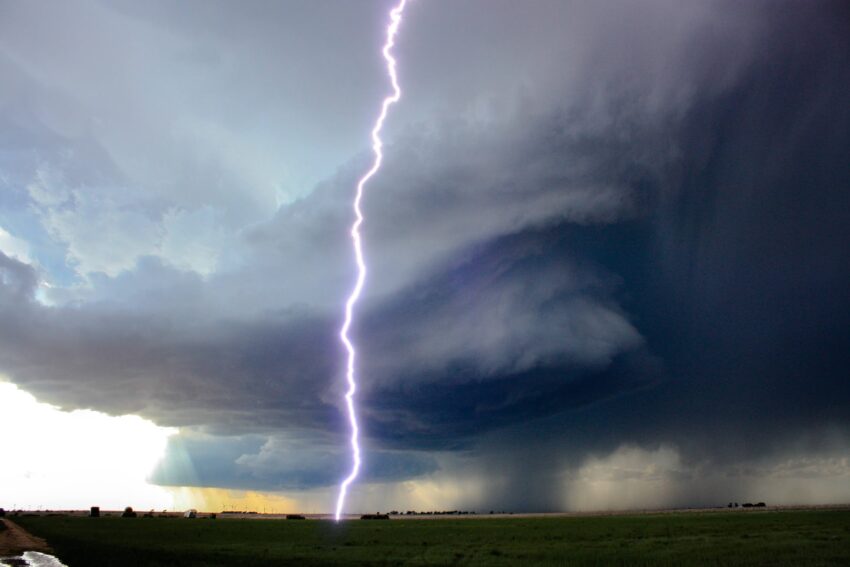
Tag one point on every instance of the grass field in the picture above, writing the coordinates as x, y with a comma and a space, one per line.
817, 537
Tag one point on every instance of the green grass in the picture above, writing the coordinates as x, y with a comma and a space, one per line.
773, 538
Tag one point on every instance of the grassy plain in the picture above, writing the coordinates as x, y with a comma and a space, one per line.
798, 537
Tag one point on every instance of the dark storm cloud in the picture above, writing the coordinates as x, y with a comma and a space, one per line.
18, 281
125, 361
255, 462
649, 248
737, 278
732, 266
178, 357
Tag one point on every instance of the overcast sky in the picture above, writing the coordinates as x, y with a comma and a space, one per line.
609, 251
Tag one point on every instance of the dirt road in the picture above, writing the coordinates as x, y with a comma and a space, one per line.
14, 540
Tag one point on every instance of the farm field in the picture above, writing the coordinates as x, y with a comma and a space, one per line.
785, 537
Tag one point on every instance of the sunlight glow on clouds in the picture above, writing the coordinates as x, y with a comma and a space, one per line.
630, 477
222, 500
633, 477
77, 459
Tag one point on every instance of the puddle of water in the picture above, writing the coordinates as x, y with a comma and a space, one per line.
31, 559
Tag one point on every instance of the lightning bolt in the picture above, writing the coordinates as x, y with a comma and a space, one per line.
377, 145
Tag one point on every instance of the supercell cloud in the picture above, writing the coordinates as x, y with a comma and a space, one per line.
608, 247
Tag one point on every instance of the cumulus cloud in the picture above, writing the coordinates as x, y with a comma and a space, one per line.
101, 235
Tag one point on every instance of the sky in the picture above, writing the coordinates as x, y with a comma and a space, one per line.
608, 251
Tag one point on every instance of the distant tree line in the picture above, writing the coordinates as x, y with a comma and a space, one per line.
432, 513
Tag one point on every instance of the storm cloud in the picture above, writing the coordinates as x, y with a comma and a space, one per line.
605, 237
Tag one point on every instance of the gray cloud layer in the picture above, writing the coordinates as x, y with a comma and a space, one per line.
596, 226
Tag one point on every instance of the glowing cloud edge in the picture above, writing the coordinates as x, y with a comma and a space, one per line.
377, 149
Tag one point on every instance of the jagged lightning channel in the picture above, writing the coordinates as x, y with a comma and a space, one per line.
377, 145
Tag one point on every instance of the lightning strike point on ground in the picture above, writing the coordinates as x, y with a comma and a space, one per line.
377, 145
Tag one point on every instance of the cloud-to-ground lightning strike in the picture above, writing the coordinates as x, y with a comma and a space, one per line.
377, 145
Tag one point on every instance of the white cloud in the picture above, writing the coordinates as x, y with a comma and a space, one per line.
107, 229
102, 234
14, 247
192, 240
